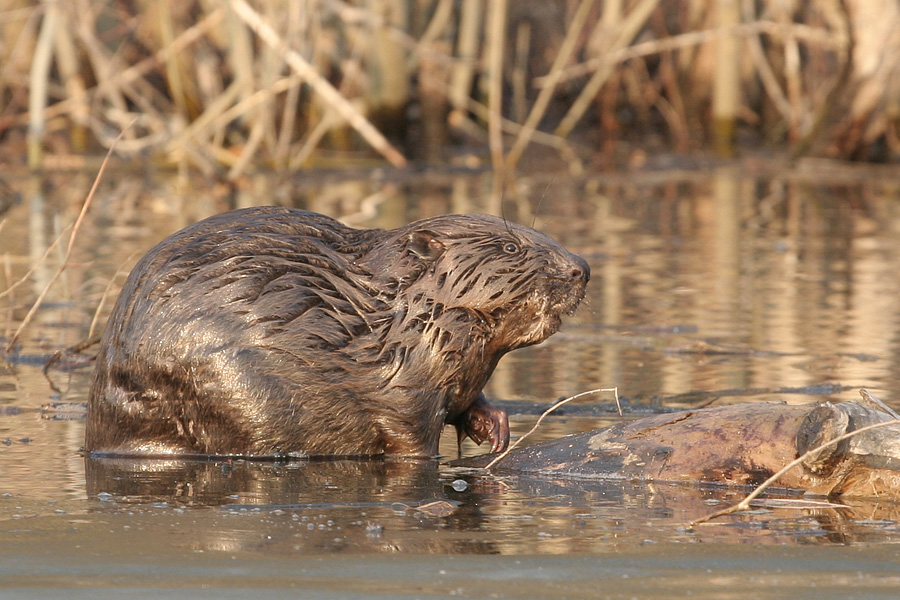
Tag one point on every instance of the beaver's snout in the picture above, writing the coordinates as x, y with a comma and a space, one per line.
571, 268
580, 270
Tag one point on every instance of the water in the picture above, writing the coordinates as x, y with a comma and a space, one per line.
735, 285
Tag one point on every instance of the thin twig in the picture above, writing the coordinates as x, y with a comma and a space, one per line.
100, 305
503, 454
7, 272
811, 35
65, 262
8, 291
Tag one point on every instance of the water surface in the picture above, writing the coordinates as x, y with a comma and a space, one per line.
740, 284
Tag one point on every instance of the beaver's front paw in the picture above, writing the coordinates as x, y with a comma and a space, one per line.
482, 422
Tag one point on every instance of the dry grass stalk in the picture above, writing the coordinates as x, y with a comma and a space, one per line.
76, 89
95, 320
520, 72
544, 414
7, 272
210, 67
39, 82
540, 105
296, 25
319, 84
470, 19
389, 74
172, 64
496, 36
65, 262
726, 81
628, 29
14, 284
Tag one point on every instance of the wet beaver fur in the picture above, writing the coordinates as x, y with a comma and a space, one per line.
279, 332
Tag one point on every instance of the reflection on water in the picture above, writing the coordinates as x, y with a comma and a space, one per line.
719, 287
395, 505
219, 482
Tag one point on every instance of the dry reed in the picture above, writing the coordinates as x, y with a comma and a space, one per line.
65, 260
226, 87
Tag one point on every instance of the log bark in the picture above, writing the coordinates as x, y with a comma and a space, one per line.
740, 445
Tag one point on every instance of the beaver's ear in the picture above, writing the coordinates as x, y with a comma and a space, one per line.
425, 244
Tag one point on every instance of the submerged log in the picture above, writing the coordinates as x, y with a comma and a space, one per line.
742, 444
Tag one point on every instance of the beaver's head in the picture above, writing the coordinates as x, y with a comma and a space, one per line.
510, 282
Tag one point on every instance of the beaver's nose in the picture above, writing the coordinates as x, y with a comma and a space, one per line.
580, 269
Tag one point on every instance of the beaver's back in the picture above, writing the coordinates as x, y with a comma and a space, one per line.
196, 312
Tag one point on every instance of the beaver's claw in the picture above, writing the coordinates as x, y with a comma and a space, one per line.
482, 422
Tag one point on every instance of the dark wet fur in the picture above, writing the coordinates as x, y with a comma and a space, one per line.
273, 331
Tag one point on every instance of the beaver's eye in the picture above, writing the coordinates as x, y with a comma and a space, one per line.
511, 248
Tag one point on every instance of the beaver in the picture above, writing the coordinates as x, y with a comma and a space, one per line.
272, 331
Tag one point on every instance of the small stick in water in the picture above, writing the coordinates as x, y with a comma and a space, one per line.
500, 456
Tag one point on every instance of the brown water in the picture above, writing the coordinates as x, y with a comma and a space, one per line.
737, 284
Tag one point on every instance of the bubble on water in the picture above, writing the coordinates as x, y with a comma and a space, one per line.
460, 485
104, 496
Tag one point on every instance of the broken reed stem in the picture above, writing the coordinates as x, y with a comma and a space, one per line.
807, 34
126, 75
573, 36
8, 291
39, 83
745, 503
10, 309
726, 84
65, 261
628, 29
470, 19
512, 447
496, 35
319, 84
